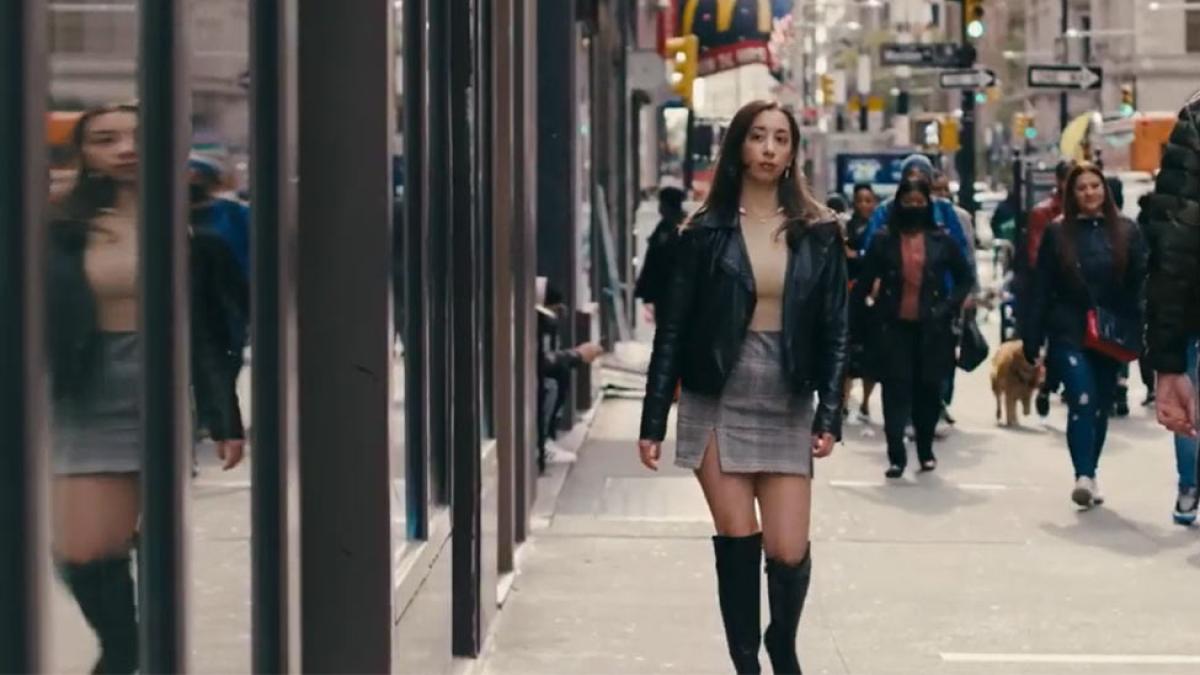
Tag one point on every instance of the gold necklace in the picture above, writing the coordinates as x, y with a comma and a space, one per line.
760, 219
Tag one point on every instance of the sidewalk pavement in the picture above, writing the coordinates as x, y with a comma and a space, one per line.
984, 567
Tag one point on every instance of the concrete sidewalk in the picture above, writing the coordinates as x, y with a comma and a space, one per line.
984, 567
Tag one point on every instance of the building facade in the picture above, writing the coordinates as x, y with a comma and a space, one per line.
1151, 47
413, 167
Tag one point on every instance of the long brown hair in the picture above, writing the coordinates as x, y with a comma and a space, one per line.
72, 329
800, 208
1115, 227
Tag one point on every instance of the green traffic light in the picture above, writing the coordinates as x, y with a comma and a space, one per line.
975, 29
981, 98
1030, 133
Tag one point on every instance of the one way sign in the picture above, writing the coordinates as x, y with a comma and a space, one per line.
1078, 77
967, 79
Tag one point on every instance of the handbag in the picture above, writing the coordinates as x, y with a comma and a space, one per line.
1110, 335
1107, 332
972, 346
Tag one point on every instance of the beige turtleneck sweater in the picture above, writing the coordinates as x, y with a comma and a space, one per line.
111, 265
768, 253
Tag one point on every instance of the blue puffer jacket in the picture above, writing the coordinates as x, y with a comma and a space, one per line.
943, 215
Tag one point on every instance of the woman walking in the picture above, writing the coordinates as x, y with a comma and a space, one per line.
864, 327
1090, 260
911, 261
756, 324
94, 352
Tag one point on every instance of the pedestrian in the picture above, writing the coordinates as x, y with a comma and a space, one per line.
1172, 214
554, 367
229, 218
757, 322
918, 167
1091, 260
93, 348
910, 261
1025, 266
652, 282
837, 203
941, 190
864, 326
1145, 363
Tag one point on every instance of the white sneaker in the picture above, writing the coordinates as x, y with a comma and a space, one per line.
1084, 492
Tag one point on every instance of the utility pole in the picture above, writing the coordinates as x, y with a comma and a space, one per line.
966, 153
1064, 25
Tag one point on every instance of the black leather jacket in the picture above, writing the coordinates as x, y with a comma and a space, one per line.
219, 299
938, 305
711, 300
1172, 217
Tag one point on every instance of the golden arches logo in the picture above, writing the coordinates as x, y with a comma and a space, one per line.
725, 13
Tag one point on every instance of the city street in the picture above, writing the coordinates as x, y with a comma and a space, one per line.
983, 567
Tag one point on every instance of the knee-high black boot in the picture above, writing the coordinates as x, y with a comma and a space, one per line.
739, 583
787, 588
105, 592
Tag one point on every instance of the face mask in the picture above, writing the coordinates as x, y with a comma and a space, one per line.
910, 217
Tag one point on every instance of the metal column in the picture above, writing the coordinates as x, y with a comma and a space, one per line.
506, 399
275, 556
464, 365
164, 132
345, 90
23, 405
435, 187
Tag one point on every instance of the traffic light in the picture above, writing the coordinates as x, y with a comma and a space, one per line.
827, 85
1023, 127
973, 18
683, 56
1128, 102
949, 139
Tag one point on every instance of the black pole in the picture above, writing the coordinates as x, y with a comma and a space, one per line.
23, 405
166, 426
1064, 112
966, 154
464, 358
274, 550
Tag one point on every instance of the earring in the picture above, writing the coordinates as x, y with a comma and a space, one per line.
787, 173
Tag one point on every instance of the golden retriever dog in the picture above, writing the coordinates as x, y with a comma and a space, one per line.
1014, 379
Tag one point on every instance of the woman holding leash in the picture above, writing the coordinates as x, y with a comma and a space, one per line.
1087, 304
755, 325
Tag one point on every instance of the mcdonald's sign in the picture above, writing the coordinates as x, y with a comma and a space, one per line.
732, 33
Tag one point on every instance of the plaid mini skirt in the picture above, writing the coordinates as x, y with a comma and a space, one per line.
760, 424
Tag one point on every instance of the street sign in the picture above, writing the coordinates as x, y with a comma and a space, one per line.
930, 55
967, 79
1079, 77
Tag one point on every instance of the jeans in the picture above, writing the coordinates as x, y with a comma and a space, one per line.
909, 394
1090, 380
1186, 448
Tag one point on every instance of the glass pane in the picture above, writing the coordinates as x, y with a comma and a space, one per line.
93, 305
219, 214
93, 345
406, 512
